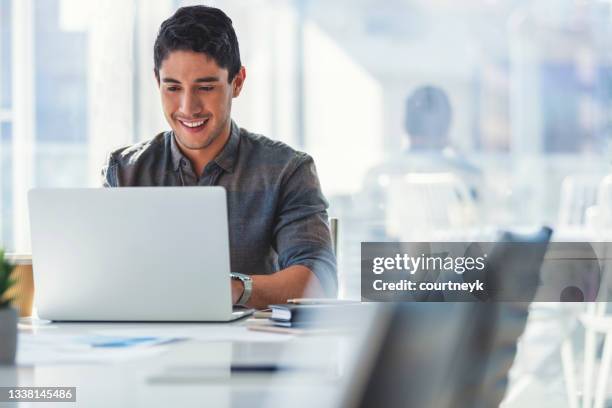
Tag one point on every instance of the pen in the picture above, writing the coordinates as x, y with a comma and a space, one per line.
259, 368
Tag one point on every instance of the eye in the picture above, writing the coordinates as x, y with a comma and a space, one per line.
173, 88
206, 88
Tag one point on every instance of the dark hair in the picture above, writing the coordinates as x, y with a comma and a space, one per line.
200, 29
428, 114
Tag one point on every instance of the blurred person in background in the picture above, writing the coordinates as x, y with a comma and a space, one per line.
428, 189
428, 119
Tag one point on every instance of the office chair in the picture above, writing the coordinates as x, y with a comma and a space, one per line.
456, 354
578, 194
596, 319
433, 205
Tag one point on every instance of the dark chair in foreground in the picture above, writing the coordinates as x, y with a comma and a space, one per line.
438, 355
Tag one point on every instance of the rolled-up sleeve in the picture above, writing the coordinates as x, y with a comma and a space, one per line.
301, 233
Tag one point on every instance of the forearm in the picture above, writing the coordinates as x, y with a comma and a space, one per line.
288, 283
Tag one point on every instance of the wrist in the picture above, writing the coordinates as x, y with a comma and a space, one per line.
237, 290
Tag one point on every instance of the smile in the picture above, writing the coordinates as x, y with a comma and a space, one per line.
194, 125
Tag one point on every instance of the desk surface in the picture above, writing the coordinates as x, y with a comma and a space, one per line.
189, 372
197, 371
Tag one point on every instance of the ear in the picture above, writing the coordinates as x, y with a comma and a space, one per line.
238, 82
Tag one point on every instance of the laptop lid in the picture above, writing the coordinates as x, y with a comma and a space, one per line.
131, 254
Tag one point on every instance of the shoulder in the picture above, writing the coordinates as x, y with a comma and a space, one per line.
271, 152
134, 153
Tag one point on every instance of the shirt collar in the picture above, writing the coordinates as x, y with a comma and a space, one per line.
225, 159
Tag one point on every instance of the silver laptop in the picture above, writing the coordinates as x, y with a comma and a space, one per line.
131, 254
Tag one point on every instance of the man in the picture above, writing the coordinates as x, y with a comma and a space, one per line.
279, 239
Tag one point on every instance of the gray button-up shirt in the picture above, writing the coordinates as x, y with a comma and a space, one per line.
277, 212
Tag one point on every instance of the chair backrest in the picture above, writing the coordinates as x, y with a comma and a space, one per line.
423, 204
489, 343
604, 203
453, 354
578, 194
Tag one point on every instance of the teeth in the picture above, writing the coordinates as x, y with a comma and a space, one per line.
193, 124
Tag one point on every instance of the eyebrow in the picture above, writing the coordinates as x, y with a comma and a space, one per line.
203, 79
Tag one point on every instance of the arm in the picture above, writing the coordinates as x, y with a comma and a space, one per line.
291, 282
302, 241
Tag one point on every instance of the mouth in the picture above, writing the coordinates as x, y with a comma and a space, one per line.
193, 126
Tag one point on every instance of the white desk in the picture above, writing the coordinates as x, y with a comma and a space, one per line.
192, 372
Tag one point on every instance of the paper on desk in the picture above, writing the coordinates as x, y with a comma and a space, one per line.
213, 332
53, 348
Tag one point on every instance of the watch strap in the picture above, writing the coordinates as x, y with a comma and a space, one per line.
247, 282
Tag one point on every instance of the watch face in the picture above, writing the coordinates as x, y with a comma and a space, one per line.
241, 276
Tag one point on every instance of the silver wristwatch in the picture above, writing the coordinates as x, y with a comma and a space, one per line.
247, 282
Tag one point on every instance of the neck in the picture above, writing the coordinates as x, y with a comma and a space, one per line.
199, 158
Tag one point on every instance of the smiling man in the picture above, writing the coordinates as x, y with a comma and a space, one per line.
279, 238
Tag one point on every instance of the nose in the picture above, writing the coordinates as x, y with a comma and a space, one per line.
190, 104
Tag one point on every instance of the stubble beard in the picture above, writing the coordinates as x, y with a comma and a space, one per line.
205, 144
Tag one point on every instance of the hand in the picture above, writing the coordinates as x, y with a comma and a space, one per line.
237, 290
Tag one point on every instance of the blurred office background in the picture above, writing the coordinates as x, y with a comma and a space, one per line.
526, 91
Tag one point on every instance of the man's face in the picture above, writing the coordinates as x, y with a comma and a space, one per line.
196, 97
